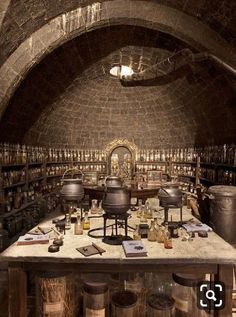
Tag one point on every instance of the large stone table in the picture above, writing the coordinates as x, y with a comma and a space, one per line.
210, 255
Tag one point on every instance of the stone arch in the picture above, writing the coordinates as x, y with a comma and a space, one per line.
97, 15
3, 9
121, 142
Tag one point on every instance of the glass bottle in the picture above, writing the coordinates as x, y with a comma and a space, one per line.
152, 234
160, 234
78, 226
136, 233
148, 210
167, 238
68, 222
143, 216
86, 221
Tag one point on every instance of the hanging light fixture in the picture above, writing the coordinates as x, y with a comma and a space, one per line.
121, 70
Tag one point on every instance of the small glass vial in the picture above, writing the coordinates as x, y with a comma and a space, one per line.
94, 207
100, 210
136, 233
152, 234
86, 221
143, 216
148, 210
78, 226
68, 222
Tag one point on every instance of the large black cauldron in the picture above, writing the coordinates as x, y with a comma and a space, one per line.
116, 198
72, 189
170, 197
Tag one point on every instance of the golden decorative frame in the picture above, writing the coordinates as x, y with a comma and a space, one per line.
121, 142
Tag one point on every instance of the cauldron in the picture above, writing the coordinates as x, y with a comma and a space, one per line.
113, 181
72, 189
170, 196
116, 198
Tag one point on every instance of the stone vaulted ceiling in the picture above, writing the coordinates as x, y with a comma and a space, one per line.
69, 98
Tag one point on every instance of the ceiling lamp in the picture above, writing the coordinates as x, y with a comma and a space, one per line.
121, 70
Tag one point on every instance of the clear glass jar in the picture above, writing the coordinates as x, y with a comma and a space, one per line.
96, 298
184, 293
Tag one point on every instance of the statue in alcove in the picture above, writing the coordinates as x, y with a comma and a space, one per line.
121, 162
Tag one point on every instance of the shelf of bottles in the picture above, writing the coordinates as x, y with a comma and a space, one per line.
217, 163
28, 217
74, 155
84, 160
56, 170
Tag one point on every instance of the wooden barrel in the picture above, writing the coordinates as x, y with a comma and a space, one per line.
160, 305
55, 295
124, 303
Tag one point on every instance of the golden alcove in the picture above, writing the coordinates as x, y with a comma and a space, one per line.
121, 155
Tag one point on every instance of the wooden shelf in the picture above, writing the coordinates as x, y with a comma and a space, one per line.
14, 185
207, 164
14, 211
58, 162
90, 162
51, 176
185, 175
226, 166
149, 163
184, 163
13, 165
36, 179
206, 180
35, 163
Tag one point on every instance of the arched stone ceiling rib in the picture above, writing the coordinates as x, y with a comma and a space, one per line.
26, 16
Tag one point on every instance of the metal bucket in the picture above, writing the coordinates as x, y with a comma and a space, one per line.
223, 211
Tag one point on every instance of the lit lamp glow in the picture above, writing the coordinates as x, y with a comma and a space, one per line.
121, 70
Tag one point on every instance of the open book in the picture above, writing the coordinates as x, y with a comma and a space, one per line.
192, 227
134, 248
29, 239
